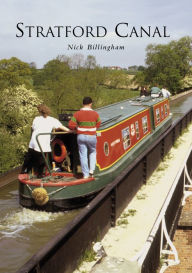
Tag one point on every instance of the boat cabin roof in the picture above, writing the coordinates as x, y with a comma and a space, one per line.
116, 112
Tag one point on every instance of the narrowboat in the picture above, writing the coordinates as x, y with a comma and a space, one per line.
126, 130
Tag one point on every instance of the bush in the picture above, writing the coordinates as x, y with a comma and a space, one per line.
18, 108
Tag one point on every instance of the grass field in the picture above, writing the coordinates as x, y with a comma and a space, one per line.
107, 96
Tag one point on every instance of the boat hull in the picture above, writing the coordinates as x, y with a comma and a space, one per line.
55, 205
78, 192
61, 195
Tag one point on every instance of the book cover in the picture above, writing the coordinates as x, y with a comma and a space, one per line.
115, 32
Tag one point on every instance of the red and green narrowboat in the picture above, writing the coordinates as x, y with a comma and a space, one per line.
126, 130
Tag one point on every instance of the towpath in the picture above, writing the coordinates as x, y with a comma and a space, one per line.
123, 242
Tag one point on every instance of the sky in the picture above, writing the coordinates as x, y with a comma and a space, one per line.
175, 15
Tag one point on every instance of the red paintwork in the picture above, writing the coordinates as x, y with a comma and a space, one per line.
113, 136
24, 178
163, 115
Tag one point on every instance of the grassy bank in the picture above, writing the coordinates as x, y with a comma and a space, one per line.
107, 96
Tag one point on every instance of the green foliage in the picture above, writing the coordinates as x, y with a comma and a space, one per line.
117, 79
123, 218
61, 88
88, 256
123, 222
186, 83
112, 95
140, 78
141, 196
57, 85
12, 149
167, 64
54, 82
135, 68
64, 81
18, 108
131, 212
14, 72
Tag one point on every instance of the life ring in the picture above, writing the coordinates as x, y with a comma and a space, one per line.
59, 150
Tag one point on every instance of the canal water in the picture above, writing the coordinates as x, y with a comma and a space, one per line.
23, 232
180, 106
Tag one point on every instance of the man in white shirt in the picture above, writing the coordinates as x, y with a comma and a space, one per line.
41, 124
165, 93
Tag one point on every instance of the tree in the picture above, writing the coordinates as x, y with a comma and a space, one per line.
33, 65
14, 72
54, 71
76, 61
117, 79
140, 78
141, 68
168, 64
183, 51
17, 108
187, 81
12, 149
63, 58
57, 84
133, 67
90, 62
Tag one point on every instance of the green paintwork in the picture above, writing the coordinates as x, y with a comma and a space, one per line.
109, 116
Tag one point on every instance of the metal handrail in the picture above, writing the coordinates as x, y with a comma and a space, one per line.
43, 154
161, 221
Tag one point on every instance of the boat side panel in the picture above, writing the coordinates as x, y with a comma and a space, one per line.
116, 141
161, 112
101, 179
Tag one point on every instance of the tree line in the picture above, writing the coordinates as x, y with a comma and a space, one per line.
63, 81
168, 65
61, 84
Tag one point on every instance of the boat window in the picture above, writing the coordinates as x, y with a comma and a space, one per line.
162, 112
137, 129
157, 115
145, 124
126, 138
166, 112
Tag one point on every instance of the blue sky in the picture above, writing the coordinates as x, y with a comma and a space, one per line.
174, 14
